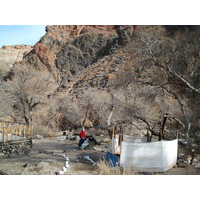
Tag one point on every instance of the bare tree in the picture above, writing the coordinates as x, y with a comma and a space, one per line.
177, 59
26, 90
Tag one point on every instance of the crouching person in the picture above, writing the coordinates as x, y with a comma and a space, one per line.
84, 137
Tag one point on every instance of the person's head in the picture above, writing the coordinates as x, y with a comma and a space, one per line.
83, 129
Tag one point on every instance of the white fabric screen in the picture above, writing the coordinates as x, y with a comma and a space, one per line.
149, 156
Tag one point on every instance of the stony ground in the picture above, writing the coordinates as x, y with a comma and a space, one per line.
47, 158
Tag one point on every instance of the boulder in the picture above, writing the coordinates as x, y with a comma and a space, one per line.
38, 137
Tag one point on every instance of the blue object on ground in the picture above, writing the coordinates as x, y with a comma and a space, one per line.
112, 160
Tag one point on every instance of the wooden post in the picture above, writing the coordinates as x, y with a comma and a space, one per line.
115, 128
11, 133
24, 130
3, 135
29, 131
120, 135
16, 132
31, 143
7, 128
161, 135
20, 130
177, 129
148, 139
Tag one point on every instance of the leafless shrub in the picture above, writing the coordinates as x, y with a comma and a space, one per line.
170, 64
27, 90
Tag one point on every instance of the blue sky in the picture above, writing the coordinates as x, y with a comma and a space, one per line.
21, 34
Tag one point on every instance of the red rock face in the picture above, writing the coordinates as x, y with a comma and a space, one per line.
45, 55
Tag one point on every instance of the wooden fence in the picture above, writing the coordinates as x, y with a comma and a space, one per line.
11, 131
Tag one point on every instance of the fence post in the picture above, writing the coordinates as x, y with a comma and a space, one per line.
7, 133
16, 131
11, 130
3, 139
29, 131
11, 133
19, 130
24, 130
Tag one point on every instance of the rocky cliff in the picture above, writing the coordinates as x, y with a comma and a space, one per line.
66, 50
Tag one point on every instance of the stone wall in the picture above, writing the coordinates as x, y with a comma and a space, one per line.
16, 147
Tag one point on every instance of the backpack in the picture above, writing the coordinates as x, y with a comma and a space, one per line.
84, 144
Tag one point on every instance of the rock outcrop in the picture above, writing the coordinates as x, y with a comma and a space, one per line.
67, 50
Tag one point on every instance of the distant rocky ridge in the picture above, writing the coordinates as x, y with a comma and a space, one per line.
11, 54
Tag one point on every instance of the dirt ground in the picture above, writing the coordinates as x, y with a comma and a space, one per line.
48, 156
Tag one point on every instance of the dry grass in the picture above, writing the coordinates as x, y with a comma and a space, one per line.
105, 169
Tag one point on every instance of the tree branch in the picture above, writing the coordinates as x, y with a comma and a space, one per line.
183, 80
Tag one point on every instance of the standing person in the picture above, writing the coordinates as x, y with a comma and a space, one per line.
83, 134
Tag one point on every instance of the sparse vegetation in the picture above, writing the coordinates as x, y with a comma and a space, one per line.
105, 169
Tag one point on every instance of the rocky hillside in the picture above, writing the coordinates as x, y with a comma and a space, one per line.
102, 76
66, 50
